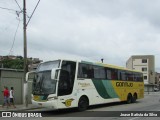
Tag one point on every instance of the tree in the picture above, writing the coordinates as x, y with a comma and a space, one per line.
12, 63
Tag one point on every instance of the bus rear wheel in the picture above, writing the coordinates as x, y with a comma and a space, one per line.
83, 103
129, 98
134, 98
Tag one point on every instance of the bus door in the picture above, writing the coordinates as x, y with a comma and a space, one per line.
66, 84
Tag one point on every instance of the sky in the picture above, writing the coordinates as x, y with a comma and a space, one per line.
83, 29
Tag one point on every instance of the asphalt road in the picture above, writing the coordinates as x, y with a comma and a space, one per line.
150, 106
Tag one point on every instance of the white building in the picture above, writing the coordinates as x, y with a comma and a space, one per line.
146, 64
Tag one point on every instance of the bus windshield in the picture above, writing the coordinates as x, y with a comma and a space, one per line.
42, 82
48, 65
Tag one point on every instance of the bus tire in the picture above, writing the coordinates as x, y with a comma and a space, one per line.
129, 98
134, 98
83, 103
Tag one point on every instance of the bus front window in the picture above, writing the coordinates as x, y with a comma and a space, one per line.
43, 85
42, 82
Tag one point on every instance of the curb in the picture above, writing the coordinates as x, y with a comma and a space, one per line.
23, 108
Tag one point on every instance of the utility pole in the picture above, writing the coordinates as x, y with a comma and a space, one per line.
25, 38
25, 54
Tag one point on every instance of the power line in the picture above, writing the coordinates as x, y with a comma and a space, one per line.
8, 9
17, 12
18, 5
14, 38
33, 13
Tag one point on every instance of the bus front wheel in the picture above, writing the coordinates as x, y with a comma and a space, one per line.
129, 98
83, 103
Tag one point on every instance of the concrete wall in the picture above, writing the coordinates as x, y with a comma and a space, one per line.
12, 78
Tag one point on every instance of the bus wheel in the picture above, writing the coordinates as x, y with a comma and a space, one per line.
83, 103
134, 98
129, 98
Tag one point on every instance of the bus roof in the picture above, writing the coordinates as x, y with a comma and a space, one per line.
110, 66
97, 63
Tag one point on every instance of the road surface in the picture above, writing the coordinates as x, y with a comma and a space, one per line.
150, 106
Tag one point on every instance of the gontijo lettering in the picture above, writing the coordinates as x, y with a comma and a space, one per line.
124, 84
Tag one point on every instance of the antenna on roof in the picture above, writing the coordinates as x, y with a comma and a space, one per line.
102, 60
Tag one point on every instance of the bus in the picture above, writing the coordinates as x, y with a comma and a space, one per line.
61, 84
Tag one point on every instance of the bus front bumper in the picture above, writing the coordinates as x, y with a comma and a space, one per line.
47, 104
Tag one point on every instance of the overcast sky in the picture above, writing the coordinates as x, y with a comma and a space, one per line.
83, 29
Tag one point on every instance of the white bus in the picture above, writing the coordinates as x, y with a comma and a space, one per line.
63, 84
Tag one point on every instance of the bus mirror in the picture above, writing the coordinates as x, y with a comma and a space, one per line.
54, 73
27, 75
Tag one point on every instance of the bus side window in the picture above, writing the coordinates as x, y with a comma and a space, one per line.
123, 75
140, 77
119, 75
114, 74
99, 72
82, 71
108, 74
129, 76
90, 71
135, 77
85, 71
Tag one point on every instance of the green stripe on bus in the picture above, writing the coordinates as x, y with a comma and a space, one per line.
105, 89
110, 90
